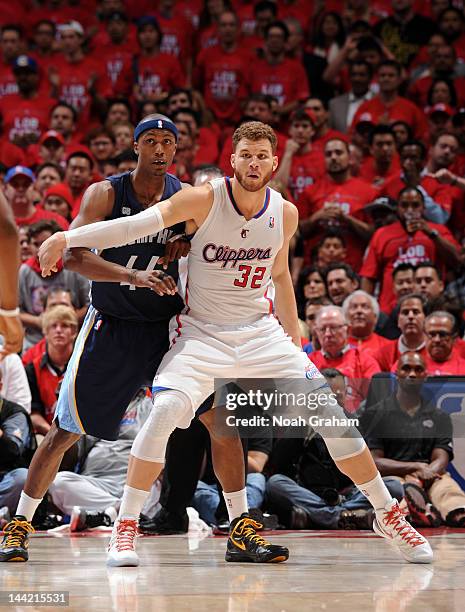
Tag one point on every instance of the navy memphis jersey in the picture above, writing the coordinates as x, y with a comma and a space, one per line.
125, 301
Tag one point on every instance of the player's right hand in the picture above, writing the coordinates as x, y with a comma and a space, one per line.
50, 252
157, 280
12, 331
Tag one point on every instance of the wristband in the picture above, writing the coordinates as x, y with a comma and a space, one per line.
9, 313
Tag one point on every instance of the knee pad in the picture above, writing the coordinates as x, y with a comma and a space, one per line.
347, 447
171, 409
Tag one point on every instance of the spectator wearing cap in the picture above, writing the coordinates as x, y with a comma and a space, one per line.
101, 143
11, 44
438, 198
25, 114
439, 119
381, 212
410, 318
411, 239
222, 72
300, 165
343, 108
59, 199
45, 372
78, 174
388, 106
17, 189
51, 147
76, 78
383, 163
178, 34
323, 131
361, 311
444, 66
357, 366
278, 76
33, 287
337, 201
154, 73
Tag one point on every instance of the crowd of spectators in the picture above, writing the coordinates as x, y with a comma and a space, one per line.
367, 98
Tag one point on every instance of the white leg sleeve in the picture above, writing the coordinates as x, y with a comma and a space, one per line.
171, 409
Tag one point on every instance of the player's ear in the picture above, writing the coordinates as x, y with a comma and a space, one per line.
275, 162
233, 161
136, 147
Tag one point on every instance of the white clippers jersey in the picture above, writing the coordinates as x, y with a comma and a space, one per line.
230, 261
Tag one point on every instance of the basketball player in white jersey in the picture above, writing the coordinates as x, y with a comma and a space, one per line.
240, 248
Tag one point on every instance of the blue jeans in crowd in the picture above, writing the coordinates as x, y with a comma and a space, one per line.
206, 497
282, 491
11, 486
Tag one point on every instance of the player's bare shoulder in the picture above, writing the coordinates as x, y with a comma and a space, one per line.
97, 203
290, 218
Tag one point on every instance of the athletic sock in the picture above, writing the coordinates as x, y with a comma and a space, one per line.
132, 502
27, 506
236, 503
376, 493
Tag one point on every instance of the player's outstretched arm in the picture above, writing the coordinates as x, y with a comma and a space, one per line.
186, 205
10, 325
285, 304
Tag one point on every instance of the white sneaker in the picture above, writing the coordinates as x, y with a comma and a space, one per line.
393, 526
122, 546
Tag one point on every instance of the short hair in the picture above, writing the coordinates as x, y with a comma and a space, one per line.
46, 22
410, 188
179, 90
82, 155
255, 130
210, 168
363, 63
448, 10
388, 63
259, 97
112, 101
437, 135
413, 296
444, 315
324, 101
381, 130
265, 5
13, 27
44, 225
65, 105
402, 267
318, 301
373, 301
277, 24
331, 308
64, 314
428, 264
301, 114
331, 373
125, 156
187, 111
414, 143
332, 233
340, 139
342, 266
99, 131
54, 290
50, 164
369, 43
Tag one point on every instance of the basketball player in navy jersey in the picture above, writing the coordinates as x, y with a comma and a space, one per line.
10, 325
125, 333
228, 330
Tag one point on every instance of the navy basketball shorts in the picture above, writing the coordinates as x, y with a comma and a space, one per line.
111, 361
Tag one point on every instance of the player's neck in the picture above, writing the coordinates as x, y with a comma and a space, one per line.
148, 188
248, 202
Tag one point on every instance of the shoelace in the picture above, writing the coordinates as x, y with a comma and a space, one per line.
126, 531
15, 532
395, 518
246, 528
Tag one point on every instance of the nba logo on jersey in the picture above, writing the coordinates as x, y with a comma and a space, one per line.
98, 325
271, 223
160, 123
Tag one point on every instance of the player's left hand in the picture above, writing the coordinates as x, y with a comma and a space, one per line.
174, 250
12, 331
157, 280
50, 252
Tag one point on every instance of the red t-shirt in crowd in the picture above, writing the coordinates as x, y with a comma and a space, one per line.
116, 60
306, 169
388, 355
372, 344
453, 366
352, 196
391, 246
357, 366
155, 75
11, 155
441, 194
40, 214
286, 81
224, 79
178, 36
419, 90
8, 84
370, 173
20, 116
400, 109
